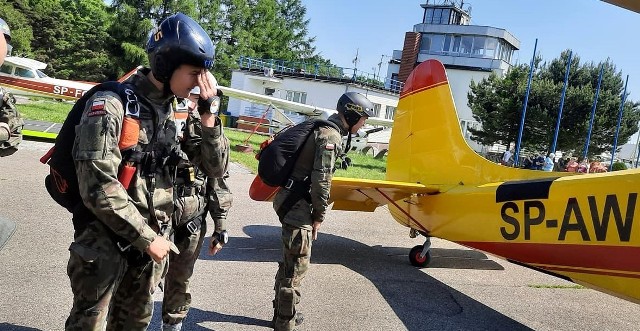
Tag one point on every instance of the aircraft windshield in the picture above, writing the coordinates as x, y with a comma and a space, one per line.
41, 74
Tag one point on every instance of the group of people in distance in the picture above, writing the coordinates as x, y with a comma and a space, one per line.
538, 161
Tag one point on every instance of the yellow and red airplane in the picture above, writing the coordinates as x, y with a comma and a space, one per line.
577, 227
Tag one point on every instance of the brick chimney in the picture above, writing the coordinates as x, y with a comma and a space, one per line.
409, 54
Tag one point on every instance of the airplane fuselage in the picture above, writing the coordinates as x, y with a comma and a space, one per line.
583, 228
52, 88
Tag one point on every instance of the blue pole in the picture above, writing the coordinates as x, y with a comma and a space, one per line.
615, 141
593, 113
638, 151
564, 92
524, 107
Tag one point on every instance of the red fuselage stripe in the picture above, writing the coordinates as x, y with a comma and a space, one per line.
603, 257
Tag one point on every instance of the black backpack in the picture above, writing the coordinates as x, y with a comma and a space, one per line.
278, 157
62, 181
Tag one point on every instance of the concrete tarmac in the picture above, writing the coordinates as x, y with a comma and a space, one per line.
359, 279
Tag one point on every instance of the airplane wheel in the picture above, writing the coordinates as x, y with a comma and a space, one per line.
416, 260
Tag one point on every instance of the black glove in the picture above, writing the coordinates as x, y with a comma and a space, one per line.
346, 163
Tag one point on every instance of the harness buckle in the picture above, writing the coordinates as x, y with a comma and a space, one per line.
192, 227
123, 249
289, 184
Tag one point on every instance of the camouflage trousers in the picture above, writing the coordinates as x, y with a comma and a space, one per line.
111, 290
177, 294
296, 247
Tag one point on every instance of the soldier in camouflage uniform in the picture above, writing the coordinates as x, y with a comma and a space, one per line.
302, 203
119, 255
195, 193
11, 122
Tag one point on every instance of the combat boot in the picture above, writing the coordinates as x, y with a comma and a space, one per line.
299, 319
172, 327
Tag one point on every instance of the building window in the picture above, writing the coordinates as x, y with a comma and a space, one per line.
436, 43
269, 91
390, 113
297, 96
478, 46
490, 48
456, 44
425, 43
376, 109
466, 44
447, 43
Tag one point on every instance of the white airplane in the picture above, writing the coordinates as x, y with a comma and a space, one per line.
23, 76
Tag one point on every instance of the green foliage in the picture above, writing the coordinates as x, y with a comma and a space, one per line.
96, 40
618, 166
21, 31
496, 102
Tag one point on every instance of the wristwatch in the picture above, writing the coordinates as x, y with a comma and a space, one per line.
221, 237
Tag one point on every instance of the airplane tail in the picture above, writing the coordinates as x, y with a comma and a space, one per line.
427, 145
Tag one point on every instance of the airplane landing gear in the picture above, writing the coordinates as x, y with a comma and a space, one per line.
420, 255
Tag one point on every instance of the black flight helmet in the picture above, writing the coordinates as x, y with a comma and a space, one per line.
352, 106
4, 27
178, 40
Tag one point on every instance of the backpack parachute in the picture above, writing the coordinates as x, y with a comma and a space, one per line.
278, 157
62, 181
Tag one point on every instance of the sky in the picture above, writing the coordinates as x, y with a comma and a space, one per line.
593, 29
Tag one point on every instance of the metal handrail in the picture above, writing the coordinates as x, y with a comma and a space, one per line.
320, 71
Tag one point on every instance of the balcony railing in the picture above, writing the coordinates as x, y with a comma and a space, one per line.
321, 72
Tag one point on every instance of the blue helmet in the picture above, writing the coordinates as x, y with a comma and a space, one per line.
4, 28
178, 40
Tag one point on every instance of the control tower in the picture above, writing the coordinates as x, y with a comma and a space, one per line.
468, 52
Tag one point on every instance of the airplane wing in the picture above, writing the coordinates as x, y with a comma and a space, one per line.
301, 108
367, 194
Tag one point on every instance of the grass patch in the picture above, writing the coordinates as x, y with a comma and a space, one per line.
575, 286
45, 110
362, 166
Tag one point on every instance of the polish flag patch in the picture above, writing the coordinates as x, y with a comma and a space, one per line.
97, 108
329, 147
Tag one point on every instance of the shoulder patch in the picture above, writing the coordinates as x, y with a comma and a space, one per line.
97, 108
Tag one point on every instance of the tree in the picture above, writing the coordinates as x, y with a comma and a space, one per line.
21, 31
496, 102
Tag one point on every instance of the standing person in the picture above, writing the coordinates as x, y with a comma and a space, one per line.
548, 162
507, 157
302, 204
195, 194
119, 254
11, 122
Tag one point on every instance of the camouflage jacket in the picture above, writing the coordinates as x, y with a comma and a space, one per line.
192, 184
11, 130
130, 213
317, 162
